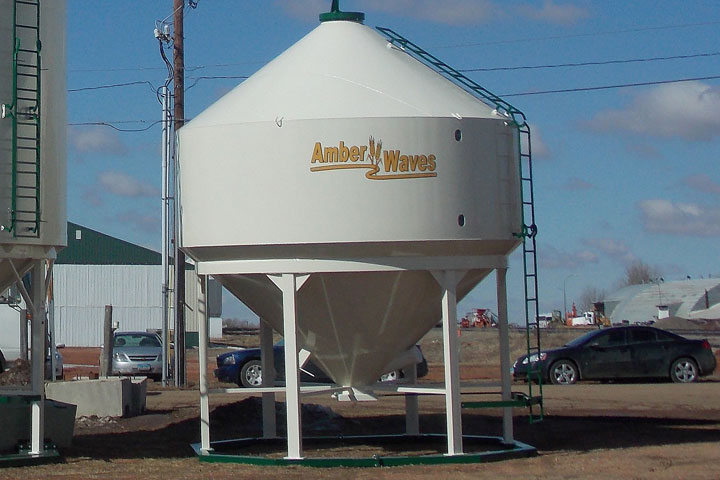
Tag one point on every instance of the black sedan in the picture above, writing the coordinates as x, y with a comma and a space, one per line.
244, 368
621, 352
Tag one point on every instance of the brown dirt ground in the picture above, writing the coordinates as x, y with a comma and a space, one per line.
590, 430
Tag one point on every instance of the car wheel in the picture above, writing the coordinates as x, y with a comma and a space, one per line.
251, 374
563, 372
390, 376
684, 370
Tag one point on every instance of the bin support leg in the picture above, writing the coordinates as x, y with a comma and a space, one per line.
287, 283
448, 280
203, 363
412, 417
268, 379
39, 331
501, 280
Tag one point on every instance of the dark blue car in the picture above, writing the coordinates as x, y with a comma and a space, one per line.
243, 367
622, 352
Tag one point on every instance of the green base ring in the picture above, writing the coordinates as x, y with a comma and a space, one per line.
24, 458
501, 451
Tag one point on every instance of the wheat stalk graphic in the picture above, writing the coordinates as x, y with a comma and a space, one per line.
375, 151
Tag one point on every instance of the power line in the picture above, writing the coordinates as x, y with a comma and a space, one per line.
459, 45
608, 87
111, 125
142, 69
584, 64
466, 70
112, 85
578, 35
140, 82
214, 77
543, 92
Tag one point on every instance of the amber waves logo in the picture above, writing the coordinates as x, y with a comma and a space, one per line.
380, 164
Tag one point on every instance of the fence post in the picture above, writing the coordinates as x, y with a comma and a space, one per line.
106, 356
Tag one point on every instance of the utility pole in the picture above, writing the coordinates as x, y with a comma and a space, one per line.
179, 80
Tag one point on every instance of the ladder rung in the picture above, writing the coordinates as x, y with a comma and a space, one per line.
27, 148
28, 124
27, 65
27, 75
32, 27
27, 89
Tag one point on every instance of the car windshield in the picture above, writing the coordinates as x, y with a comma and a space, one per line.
583, 338
136, 340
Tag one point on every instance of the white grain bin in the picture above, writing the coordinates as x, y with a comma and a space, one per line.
32, 186
345, 148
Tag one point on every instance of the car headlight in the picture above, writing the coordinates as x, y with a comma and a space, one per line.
120, 357
534, 358
229, 360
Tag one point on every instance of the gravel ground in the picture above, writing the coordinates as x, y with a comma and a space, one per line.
638, 430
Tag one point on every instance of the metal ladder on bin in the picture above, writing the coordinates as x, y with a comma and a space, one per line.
24, 112
529, 228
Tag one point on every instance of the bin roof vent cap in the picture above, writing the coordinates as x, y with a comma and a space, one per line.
335, 14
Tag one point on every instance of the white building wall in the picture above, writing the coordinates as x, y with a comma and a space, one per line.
134, 291
82, 291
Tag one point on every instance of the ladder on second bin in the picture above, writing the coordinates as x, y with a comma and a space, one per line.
24, 113
528, 228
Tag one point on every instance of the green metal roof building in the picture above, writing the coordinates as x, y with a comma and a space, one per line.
89, 247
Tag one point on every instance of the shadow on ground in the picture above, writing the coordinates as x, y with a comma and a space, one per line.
243, 419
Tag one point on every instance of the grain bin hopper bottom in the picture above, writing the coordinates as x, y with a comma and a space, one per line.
289, 280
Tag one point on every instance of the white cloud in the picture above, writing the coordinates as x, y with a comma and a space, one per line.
551, 12
539, 147
143, 221
455, 12
126, 185
663, 216
551, 257
612, 248
576, 183
451, 12
305, 9
91, 196
645, 150
687, 110
702, 183
96, 139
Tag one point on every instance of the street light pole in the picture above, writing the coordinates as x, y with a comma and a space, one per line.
565, 294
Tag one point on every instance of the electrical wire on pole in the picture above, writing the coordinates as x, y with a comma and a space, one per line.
179, 110
162, 34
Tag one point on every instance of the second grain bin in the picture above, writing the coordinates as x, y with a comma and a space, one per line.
33, 131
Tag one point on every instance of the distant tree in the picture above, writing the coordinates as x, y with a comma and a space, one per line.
640, 272
589, 296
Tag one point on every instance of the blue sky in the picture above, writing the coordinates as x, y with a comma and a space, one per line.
621, 174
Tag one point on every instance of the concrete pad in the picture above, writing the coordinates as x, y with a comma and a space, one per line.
105, 397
